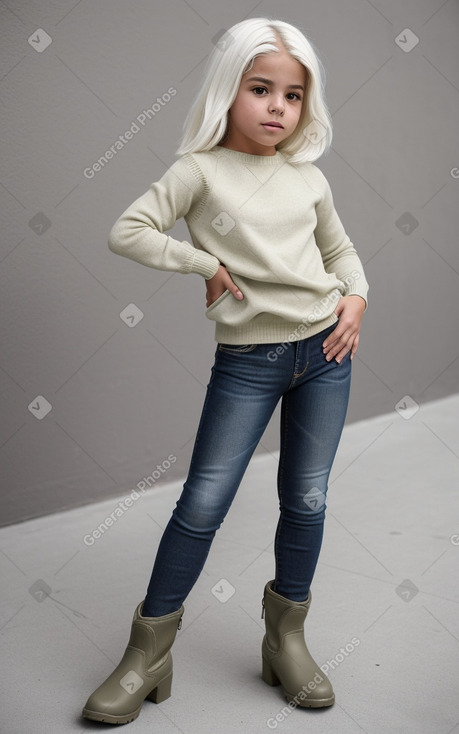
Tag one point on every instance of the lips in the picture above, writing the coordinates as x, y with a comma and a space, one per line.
273, 125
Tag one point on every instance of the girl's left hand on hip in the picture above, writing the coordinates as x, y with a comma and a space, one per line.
345, 337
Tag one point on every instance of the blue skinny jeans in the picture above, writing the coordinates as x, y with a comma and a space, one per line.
247, 381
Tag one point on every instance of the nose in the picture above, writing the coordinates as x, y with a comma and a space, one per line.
277, 105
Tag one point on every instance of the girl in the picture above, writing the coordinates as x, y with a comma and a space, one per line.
287, 291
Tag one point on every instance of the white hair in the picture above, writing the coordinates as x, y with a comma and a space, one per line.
206, 123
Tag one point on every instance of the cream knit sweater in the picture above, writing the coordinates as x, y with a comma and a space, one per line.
273, 226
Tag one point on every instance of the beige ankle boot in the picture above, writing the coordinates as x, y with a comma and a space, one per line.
286, 658
145, 671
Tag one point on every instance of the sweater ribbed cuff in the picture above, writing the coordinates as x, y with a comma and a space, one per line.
204, 264
357, 288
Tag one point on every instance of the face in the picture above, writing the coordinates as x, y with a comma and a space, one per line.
268, 104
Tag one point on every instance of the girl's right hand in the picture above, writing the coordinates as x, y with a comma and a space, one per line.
218, 284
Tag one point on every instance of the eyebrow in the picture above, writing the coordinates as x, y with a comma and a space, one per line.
270, 83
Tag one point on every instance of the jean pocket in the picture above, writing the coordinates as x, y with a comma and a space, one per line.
237, 348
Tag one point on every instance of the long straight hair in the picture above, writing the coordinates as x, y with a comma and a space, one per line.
207, 121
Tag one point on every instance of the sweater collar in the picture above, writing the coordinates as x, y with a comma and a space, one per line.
262, 160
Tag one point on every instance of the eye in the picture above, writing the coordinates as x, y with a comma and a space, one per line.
259, 89
294, 94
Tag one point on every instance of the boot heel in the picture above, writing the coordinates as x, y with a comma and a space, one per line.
162, 690
268, 676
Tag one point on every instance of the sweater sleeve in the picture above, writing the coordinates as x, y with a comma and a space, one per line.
338, 253
139, 233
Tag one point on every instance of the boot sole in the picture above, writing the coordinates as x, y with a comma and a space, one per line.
108, 718
311, 704
271, 679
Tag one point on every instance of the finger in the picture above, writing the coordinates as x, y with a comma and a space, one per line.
340, 356
336, 339
351, 346
332, 338
355, 345
233, 288
340, 348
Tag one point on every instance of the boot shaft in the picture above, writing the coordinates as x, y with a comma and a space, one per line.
154, 635
282, 616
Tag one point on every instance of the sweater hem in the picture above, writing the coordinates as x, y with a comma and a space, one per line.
271, 332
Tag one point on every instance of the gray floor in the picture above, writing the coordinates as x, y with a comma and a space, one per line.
384, 614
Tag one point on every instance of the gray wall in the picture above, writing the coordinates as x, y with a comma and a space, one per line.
123, 398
